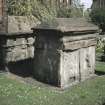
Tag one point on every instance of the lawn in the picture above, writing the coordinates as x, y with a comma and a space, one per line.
91, 92
100, 66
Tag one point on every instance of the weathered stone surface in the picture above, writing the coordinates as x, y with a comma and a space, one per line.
47, 66
65, 54
66, 25
30, 51
69, 72
75, 61
30, 40
11, 42
85, 36
18, 43
16, 39
21, 23
21, 41
79, 44
87, 62
16, 48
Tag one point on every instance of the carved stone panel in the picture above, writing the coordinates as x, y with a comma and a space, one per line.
69, 68
87, 62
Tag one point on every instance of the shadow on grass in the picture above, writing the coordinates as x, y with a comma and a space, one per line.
23, 68
99, 73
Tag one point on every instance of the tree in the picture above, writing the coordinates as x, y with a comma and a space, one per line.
98, 17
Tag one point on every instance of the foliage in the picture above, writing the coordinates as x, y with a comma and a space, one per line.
100, 45
77, 12
100, 63
70, 12
19, 7
31, 7
43, 10
98, 17
64, 12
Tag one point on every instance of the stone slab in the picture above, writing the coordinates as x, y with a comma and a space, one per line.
69, 72
87, 62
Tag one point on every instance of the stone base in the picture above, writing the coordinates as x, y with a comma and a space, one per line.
65, 54
64, 68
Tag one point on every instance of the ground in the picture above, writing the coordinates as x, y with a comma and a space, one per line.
90, 92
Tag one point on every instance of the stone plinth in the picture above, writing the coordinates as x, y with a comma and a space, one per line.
17, 43
65, 52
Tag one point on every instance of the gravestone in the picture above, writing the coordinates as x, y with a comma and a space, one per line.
65, 52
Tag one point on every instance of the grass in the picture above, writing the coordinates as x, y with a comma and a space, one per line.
12, 92
100, 66
90, 92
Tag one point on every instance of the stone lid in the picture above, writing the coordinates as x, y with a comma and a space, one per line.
21, 24
69, 25
18, 34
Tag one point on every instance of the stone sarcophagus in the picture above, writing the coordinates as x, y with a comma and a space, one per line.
65, 52
17, 45
17, 53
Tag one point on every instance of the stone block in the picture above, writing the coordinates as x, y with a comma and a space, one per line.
10, 42
87, 62
21, 41
30, 51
